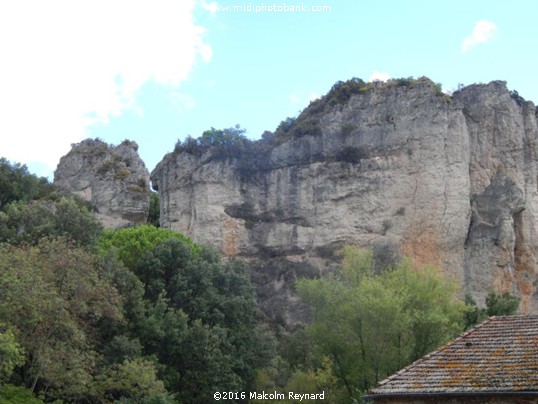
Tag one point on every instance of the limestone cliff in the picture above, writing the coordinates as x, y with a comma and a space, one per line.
113, 179
398, 166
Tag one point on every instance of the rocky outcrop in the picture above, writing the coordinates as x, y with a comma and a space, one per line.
502, 242
397, 166
113, 179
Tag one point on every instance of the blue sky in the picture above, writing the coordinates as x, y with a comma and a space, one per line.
157, 71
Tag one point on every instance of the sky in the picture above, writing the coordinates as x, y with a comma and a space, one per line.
157, 71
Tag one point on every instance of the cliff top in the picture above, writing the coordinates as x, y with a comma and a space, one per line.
308, 122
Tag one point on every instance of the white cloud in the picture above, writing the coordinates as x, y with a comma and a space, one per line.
294, 97
182, 102
447, 90
301, 98
483, 32
313, 96
211, 7
67, 64
379, 76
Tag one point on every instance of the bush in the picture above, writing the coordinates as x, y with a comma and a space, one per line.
10, 394
154, 209
405, 81
517, 98
223, 143
496, 305
17, 184
110, 165
122, 174
29, 222
350, 154
308, 121
347, 129
131, 243
501, 304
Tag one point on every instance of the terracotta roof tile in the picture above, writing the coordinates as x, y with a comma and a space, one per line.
499, 355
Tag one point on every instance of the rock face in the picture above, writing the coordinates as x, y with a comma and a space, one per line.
397, 166
113, 179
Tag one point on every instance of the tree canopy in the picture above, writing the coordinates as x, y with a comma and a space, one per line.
55, 296
224, 143
200, 318
29, 222
18, 184
138, 315
145, 315
370, 325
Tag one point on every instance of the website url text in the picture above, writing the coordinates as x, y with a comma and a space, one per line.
273, 8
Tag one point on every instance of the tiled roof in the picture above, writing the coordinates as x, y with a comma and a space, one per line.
497, 356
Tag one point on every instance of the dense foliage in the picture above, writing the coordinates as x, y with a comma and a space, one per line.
145, 315
55, 296
200, 316
137, 315
223, 142
366, 326
18, 184
85, 327
130, 244
497, 304
154, 209
231, 143
28, 222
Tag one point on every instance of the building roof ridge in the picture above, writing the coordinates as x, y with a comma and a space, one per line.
495, 337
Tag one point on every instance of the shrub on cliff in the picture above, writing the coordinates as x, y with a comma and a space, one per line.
223, 143
350, 154
308, 122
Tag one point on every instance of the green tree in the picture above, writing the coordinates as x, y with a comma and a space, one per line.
222, 345
223, 143
135, 379
501, 304
131, 243
11, 353
198, 314
370, 325
154, 209
10, 394
496, 305
28, 222
55, 295
18, 184
223, 137
302, 381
